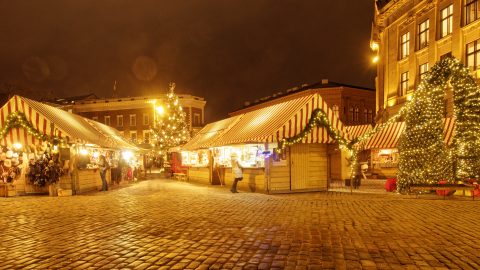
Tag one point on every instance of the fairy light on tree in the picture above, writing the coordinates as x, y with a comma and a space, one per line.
170, 128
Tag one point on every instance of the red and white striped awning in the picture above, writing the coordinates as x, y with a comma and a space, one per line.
56, 122
208, 135
358, 130
387, 138
448, 130
281, 120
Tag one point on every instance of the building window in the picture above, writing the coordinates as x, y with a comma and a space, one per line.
196, 119
350, 112
471, 11
107, 120
119, 120
370, 116
365, 115
405, 45
146, 136
423, 69
403, 84
133, 120
146, 119
95, 118
473, 55
443, 56
355, 115
446, 21
335, 110
133, 136
423, 34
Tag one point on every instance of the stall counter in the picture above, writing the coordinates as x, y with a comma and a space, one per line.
89, 180
253, 179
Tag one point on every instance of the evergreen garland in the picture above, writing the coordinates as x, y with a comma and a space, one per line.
19, 120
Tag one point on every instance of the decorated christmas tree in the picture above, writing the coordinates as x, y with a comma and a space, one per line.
424, 157
170, 127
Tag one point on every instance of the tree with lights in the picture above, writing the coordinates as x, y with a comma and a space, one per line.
170, 128
424, 157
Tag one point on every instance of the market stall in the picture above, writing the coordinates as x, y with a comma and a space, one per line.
256, 132
56, 150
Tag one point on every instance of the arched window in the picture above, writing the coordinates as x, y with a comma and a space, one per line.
357, 112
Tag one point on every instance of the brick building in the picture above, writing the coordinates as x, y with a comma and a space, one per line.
353, 105
133, 116
410, 36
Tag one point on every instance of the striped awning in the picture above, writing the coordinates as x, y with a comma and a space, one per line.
448, 130
56, 122
208, 135
281, 120
358, 130
387, 138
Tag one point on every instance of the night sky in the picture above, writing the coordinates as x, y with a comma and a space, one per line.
227, 51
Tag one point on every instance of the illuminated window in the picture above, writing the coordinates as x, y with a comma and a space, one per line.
472, 11
95, 118
146, 136
335, 110
423, 34
133, 120
107, 120
473, 55
405, 45
146, 119
196, 119
403, 84
133, 136
119, 120
446, 21
423, 69
355, 115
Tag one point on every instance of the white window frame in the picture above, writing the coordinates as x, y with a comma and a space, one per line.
446, 21
472, 51
423, 34
133, 132
133, 120
146, 119
106, 120
146, 133
405, 45
422, 70
119, 120
403, 84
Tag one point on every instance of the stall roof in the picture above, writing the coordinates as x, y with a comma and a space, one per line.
53, 121
358, 130
389, 136
281, 120
208, 135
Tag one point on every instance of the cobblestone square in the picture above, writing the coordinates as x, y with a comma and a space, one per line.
163, 224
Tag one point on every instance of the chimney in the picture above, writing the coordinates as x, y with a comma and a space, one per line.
324, 81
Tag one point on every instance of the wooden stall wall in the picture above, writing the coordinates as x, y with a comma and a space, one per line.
199, 175
279, 174
309, 167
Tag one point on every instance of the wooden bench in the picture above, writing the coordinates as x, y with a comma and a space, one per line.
180, 176
455, 187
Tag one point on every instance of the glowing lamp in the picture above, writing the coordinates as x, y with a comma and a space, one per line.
160, 109
127, 155
17, 146
83, 151
375, 59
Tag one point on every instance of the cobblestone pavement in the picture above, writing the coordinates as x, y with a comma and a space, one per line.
162, 224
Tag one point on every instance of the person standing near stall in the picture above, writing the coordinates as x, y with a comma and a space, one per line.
103, 166
237, 170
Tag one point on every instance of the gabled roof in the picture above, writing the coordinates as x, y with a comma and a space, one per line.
53, 121
71, 100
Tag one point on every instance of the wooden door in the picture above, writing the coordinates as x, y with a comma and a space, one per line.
299, 166
309, 168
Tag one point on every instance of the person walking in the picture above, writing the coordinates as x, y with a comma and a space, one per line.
103, 166
237, 170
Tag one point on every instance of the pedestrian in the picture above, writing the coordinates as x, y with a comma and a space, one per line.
237, 170
103, 166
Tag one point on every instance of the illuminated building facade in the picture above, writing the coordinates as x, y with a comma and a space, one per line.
410, 36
